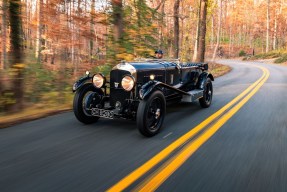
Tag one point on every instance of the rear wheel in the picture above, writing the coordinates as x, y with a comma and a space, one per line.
86, 98
205, 101
151, 113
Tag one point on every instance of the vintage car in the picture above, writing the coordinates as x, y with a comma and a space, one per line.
140, 90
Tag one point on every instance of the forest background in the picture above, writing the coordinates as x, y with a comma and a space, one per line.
47, 44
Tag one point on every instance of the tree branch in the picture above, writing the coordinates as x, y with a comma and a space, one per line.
162, 1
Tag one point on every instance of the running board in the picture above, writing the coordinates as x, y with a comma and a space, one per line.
192, 95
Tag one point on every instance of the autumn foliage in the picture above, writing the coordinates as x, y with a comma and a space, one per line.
63, 38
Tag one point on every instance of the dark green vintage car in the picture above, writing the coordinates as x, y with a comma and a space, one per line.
140, 90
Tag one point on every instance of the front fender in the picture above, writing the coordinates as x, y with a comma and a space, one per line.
148, 88
81, 82
202, 79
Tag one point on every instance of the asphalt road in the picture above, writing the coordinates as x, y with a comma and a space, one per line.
247, 153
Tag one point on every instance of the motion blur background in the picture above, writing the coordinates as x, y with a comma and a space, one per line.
47, 44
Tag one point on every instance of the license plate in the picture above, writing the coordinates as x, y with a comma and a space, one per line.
102, 113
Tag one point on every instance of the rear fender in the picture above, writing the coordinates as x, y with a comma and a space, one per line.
203, 78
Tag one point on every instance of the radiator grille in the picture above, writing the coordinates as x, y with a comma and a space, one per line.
118, 93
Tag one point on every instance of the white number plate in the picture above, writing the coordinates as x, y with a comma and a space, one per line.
102, 113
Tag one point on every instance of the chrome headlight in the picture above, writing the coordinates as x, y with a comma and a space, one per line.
128, 83
99, 80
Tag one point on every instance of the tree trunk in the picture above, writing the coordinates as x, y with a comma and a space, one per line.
182, 40
28, 16
17, 52
117, 17
161, 20
218, 32
267, 26
230, 41
138, 10
92, 29
275, 30
202, 32
74, 38
4, 35
212, 31
197, 34
39, 30
176, 28
72, 13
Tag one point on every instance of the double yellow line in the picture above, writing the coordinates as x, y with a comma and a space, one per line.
169, 167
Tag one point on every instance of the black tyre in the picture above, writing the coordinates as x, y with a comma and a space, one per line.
205, 101
151, 113
83, 100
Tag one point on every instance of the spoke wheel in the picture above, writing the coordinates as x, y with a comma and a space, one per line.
206, 100
90, 100
151, 113
154, 113
85, 99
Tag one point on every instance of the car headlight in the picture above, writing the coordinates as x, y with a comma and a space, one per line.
99, 80
128, 83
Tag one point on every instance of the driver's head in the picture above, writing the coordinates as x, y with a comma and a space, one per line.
159, 54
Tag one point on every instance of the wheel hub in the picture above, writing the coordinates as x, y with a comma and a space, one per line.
157, 114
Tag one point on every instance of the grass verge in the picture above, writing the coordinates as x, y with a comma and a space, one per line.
281, 59
279, 56
31, 113
218, 70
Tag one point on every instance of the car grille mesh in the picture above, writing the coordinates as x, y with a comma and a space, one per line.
118, 93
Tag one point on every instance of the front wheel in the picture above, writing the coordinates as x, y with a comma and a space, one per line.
205, 101
151, 113
85, 98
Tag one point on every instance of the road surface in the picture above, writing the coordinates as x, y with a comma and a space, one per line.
243, 148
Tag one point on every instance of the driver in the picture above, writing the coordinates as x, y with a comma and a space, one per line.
158, 54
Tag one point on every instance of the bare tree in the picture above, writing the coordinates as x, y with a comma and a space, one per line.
161, 23
218, 31
4, 34
275, 29
267, 26
92, 29
39, 30
212, 30
176, 28
197, 34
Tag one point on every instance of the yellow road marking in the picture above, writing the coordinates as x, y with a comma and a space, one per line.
133, 176
169, 168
